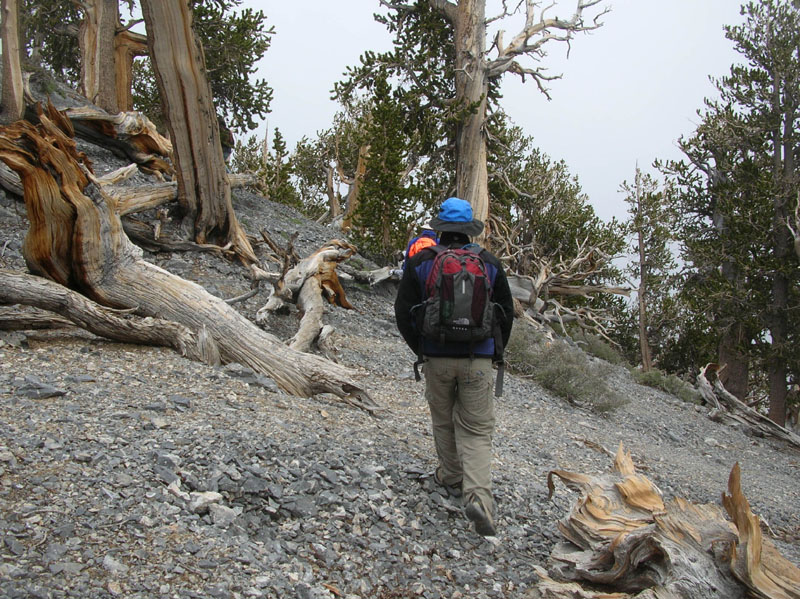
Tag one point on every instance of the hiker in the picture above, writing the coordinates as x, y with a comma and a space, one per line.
426, 238
458, 376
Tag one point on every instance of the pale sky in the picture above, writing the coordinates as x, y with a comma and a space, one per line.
629, 89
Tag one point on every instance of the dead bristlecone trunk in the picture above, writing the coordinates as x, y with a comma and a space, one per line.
621, 536
204, 190
76, 239
13, 104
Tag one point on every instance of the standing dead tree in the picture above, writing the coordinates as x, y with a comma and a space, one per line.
12, 88
621, 535
76, 239
204, 191
475, 67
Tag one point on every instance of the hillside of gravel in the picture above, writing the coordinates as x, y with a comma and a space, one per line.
129, 471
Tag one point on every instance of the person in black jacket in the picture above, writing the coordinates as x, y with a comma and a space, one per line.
458, 376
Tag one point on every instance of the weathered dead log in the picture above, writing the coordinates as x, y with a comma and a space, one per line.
121, 174
130, 200
144, 197
733, 409
621, 535
29, 290
128, 134
755, 562
143, 235
9, 180
306, 284
76, 239
13, 319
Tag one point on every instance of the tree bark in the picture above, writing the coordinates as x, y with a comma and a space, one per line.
735, 373
76, 239
13, 319
127, 46
203, 189
28, 290
351, 203
472, 89
783, 175
12, 98
96, 40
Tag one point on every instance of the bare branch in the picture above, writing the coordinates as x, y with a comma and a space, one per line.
538, 32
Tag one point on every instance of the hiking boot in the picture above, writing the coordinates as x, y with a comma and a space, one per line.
452, 490
484, 525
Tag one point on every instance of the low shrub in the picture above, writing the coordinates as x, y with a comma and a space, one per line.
669, 383
600, 348
562, 369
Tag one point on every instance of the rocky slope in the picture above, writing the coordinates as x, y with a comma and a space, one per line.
129, 471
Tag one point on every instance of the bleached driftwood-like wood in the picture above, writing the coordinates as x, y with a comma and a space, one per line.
736, 410
128, 134
13, 102
130, 200
311, 280
127, 46
12, 319
756, 563
76, 239
29, 290
142, 234
9, 180
309, 302
144, 197
121, 174
621, 534
96, 39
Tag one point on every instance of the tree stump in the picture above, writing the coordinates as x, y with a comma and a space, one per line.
621, 536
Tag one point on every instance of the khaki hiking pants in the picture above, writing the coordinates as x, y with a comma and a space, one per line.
459, 393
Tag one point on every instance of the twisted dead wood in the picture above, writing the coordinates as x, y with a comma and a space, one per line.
622, 535
76, 239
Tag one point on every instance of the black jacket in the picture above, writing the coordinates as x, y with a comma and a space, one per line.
411, 293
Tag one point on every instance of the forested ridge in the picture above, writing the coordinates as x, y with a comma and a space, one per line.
699, 285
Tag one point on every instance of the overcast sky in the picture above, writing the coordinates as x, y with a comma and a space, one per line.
629, 89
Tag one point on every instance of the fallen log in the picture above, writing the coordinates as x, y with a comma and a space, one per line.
138, 199
142, 234
29, 290
729, 408
76, 239
128, 134
620, 534
12, 319
306, 284
130, 200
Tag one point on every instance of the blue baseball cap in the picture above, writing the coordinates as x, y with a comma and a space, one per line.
455, 215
